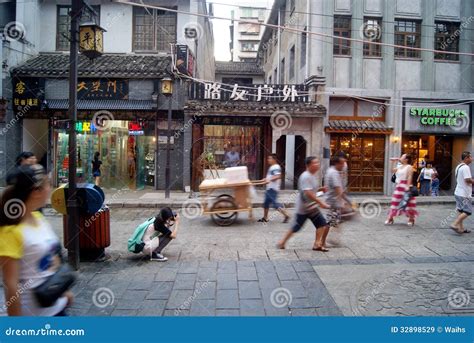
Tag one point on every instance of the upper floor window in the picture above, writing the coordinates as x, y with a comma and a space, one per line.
63, 24
153, 30
304, 42
447, 39
372, 32
342, 28
248, 46
407, 33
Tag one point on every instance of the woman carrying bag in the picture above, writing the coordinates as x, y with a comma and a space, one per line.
36, 282
403, 198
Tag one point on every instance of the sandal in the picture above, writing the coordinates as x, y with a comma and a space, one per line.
466, 231
455, 229
280, 246
323, 249
262, 220
389, 222
286, 220
411, 223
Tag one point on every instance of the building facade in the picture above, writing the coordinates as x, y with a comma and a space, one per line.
120, 88
382, 100
245, 36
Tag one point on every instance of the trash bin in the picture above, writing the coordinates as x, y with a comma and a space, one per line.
94, 235
94, 219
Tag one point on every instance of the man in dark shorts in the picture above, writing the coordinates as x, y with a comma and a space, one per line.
307, 205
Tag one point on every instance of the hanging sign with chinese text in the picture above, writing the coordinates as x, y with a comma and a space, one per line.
28, 94
113, 89
260, 92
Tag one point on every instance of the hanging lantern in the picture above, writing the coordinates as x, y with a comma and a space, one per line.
167, 86
91, 42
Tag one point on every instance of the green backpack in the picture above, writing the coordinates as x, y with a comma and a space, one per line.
135, 243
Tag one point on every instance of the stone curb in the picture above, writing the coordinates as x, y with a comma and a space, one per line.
179, 203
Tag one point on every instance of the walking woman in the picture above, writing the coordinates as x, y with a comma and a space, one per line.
404, 180
96, 163
29, 249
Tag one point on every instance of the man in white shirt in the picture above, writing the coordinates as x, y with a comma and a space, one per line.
463, 192
273, 182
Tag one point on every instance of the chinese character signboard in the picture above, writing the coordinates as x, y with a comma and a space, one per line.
113, 89
28, 94
266, 93
135, 129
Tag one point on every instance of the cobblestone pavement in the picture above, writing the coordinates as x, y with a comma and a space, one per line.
371, 269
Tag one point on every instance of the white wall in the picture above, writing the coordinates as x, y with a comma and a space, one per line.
408, 75
448, 76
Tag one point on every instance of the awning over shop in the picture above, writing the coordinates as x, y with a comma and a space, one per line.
63, 104
349, 126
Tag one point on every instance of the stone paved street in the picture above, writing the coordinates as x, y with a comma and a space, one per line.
371, 269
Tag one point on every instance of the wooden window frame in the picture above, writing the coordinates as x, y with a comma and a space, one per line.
373, 50
452, 33
86, 15
340, 45
404, 35
156, 42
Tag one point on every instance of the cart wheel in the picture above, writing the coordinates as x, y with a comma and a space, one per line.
226, 196
224, 218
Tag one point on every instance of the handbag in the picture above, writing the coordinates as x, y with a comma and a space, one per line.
413, 191
394, 178
55, 285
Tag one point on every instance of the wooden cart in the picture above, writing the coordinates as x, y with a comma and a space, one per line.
224, 207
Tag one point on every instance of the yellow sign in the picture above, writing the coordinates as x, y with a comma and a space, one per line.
58, 200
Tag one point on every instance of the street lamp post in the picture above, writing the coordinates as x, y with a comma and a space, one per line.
92, 47
72, 203
167, 90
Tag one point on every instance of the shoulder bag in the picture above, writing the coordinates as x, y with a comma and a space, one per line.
54, 287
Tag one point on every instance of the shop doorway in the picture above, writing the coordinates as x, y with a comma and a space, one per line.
127, 155
366, 154
291, 169
438, 151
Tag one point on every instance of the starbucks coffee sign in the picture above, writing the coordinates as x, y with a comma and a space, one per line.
437, 118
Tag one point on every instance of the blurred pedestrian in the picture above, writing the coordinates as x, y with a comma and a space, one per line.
24, 158
334, 195
96, 164
425, 177
403, 183
463, 192
30, 252
273, 184
307, 206
435, 185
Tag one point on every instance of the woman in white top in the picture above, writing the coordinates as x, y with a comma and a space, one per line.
404, 174
426, 174
29, 249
